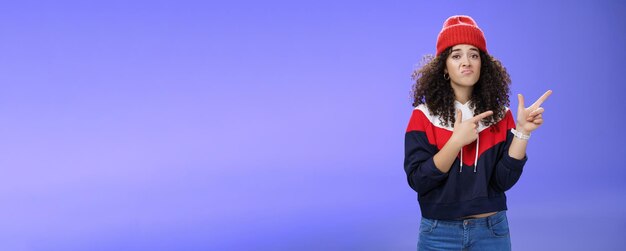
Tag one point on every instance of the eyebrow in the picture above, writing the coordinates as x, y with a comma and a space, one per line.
471, 49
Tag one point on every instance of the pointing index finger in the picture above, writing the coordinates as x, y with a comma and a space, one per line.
481, 116
542, 99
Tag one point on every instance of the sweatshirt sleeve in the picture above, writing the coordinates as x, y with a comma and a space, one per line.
508, 169
422, 174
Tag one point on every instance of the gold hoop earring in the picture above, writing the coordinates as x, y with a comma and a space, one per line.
446, 76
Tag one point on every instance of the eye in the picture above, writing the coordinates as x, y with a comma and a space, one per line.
475, 56
456, 56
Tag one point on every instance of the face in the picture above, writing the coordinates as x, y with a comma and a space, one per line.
463, 65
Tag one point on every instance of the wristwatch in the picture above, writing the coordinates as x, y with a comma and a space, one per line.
520, 135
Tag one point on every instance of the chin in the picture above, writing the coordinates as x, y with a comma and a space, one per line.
468, 84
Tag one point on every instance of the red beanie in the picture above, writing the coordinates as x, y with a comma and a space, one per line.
460, 30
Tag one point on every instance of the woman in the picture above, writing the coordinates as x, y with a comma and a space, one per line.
463, 148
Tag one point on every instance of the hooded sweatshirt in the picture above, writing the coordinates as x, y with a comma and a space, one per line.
479, 176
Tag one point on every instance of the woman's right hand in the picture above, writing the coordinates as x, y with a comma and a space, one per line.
466, 132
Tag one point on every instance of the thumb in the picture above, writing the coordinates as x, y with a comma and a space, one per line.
520, 100
459, 117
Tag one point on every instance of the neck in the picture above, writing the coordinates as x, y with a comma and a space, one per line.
462, 93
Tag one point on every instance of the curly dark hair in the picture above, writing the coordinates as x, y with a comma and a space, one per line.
491, 92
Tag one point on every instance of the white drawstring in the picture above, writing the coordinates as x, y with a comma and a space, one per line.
475, 158
461, 161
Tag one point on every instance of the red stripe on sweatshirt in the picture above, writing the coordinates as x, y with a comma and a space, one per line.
438, 136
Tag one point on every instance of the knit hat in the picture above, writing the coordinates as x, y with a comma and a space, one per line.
460, 29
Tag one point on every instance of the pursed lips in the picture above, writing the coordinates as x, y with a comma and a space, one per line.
467, 71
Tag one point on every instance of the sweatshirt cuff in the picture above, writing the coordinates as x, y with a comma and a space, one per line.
432, 170
513, 163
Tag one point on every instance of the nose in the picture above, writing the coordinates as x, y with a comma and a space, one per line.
465, 61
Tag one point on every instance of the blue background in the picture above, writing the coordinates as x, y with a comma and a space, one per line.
279, 125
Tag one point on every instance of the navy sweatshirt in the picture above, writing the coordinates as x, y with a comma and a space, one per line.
472, 186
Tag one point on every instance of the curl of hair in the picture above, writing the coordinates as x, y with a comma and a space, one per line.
490, 93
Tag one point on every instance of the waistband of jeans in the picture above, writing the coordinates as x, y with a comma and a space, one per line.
485, 220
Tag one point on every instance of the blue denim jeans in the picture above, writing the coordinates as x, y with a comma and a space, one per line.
489, 233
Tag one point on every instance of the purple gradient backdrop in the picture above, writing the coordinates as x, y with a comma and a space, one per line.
279, 125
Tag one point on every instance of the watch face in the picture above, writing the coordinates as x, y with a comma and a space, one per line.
519, 134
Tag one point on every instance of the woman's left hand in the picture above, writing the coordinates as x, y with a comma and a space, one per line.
529, 119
